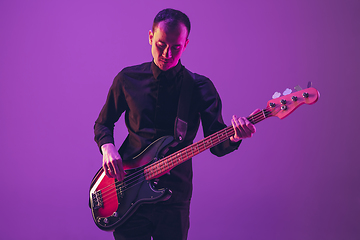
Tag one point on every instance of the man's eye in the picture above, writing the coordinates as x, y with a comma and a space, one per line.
161, 45
176, 48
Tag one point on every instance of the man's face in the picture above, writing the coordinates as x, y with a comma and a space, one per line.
167, 45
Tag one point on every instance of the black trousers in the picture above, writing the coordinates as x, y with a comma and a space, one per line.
159, 221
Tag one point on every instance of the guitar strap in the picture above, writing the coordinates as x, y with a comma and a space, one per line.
181, 121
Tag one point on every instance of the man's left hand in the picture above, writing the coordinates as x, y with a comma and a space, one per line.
242, 127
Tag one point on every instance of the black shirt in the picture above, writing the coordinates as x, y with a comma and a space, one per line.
149, 97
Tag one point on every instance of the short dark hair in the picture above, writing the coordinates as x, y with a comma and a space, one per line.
172, 19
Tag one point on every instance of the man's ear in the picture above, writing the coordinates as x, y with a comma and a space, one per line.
186, 43
151, 36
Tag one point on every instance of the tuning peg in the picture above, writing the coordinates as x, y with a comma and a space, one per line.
276, 95
309, 84
287, 91
298, 88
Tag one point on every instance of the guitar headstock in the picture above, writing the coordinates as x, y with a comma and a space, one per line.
284, 105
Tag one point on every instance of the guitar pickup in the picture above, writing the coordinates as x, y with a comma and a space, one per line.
97, 200
120, 189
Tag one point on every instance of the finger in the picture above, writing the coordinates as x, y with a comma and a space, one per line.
248, 127
235, 125
111, 170
245, 131
254, 116
118, 170
255, 111
233, 120
105, 169
121, 170
241, 127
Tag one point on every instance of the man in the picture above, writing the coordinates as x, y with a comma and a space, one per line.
149, 95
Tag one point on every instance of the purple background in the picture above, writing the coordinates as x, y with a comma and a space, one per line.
297, 178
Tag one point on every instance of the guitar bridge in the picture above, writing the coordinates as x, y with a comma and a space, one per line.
97, 200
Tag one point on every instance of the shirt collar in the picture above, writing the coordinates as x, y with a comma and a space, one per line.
169, 74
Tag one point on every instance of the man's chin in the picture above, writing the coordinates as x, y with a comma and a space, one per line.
164, 66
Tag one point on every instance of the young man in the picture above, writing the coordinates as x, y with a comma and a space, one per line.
149, 95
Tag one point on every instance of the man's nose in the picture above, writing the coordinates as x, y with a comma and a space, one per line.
167, 52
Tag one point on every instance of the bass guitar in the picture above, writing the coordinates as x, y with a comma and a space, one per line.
112, 202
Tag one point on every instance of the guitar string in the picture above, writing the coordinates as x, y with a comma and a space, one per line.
136, 176
255, 118
112, 195
129, 182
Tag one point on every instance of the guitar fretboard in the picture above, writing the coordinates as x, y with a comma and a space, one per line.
171, 161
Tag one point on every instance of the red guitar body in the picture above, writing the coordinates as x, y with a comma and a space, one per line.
110, 205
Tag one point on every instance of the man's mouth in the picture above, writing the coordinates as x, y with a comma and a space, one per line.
165, 60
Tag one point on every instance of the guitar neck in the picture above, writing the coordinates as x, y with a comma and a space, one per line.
166, 164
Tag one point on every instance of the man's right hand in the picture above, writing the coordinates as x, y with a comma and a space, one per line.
112, 163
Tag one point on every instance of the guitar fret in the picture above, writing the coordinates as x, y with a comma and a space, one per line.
226, 134
173, 159
187, 156
192, 151
177, 159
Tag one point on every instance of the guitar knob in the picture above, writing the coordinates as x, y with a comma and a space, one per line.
156, 181
283, 101
115, 214
294, 98
284, 107
272, 104
106, 220
305, 95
